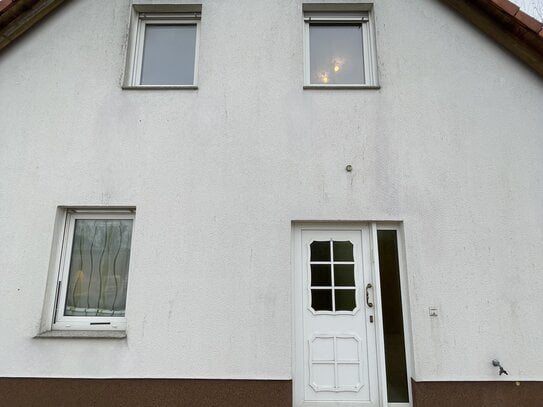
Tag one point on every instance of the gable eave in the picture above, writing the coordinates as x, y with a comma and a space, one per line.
507, 25
18, 16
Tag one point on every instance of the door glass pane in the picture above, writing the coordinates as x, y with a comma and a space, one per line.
321, 300
396, 369
321, 275
335, 53
343, 251
320, 251
345, 300
98, 273
344, 275
168, 54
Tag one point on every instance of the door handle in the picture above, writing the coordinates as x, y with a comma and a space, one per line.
368, 303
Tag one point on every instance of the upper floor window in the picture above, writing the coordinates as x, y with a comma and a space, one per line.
163, 49
339, 48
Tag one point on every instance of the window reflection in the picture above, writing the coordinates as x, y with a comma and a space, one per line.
336, 53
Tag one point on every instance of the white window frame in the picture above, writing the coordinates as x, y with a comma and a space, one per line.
298, 343
333, 286
87, 323
137, 42
398, 227
338, 17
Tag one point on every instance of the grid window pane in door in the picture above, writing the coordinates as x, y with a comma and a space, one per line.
332, 276
343, 251
345, 300
344, 275
320, 251
321, 275
168, 54
321, 300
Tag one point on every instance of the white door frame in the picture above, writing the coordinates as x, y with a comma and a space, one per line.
297, 320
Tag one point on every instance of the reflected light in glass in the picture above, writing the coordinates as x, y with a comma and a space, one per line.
324, 77
338, 64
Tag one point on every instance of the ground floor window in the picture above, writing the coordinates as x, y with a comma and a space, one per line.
93, 270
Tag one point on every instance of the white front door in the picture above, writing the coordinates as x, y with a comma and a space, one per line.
335, 350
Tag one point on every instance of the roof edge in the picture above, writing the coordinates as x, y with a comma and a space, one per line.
23, 18
506, 24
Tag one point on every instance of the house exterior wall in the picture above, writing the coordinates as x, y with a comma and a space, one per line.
450, 145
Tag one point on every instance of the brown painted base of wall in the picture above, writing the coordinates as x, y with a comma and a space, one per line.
40, 392
477, 394
23, 392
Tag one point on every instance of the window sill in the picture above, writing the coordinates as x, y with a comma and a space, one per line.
342, 87
160, 87
83, 334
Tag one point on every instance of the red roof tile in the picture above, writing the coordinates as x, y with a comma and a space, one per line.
507, 6
17, 16
5, 4
512, 28
520, 16
529, 21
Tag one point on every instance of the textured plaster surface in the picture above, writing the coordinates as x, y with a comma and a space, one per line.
451, 145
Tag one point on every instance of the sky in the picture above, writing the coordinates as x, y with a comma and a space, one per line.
531, 7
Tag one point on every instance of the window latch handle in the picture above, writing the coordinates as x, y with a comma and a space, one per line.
368, 303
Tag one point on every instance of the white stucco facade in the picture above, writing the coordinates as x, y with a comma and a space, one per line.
451, 145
